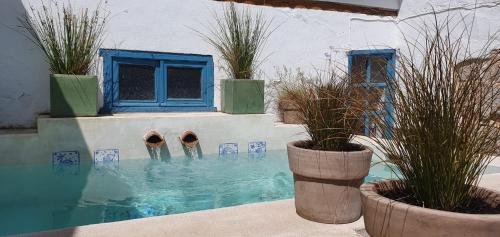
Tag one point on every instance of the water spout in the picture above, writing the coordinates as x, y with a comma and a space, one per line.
154, 139
154, 142
189, 139
190, 143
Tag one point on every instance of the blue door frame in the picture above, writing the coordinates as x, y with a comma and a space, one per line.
112, 58
388, 110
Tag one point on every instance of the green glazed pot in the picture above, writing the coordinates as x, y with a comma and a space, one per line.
242, 96
73, 95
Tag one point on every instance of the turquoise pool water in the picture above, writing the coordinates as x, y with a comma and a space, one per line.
42, 197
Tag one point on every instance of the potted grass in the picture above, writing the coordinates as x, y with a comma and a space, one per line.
239, 36
288, 111
443, 141
329, 168
286, 108
70, 42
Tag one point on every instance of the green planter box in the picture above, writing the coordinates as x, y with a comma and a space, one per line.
242, 96
73, 95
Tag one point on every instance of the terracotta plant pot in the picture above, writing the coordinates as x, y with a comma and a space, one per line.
386, 217
327, 182
290, 112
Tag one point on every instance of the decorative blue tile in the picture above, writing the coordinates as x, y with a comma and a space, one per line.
257, 147
228, 149
106, 156
65, 158
66, 162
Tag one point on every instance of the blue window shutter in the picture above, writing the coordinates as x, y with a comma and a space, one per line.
389, 54
161, 61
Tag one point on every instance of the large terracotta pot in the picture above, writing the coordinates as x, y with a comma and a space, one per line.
327, 182
389, 218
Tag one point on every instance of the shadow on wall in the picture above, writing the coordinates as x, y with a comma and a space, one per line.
49, 196
24, 73
75, 185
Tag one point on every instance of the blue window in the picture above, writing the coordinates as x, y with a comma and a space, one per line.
138, 81
369, 70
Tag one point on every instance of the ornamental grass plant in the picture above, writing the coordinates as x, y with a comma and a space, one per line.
328, 107
280, 89
239, 36
444, 97
69, 39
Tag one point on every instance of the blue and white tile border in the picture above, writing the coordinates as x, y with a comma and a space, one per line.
226, 149
66, 162
257, 147
106, 158
65, 158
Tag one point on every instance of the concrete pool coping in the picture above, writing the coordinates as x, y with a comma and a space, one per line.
276, 218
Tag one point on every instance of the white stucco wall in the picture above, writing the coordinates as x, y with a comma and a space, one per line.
482, 15
24, 81
303, 38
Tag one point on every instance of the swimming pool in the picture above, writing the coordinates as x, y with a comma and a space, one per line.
42, 197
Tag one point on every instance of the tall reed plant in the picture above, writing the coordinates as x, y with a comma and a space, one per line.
239, 37
329, 108
69, 39
443, 99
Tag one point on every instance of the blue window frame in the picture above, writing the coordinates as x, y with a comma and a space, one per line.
141, 81
369, 70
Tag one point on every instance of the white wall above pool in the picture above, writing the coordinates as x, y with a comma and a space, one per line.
88, 139
303, 38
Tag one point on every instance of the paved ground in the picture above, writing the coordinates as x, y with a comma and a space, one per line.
491, 181
276, 218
